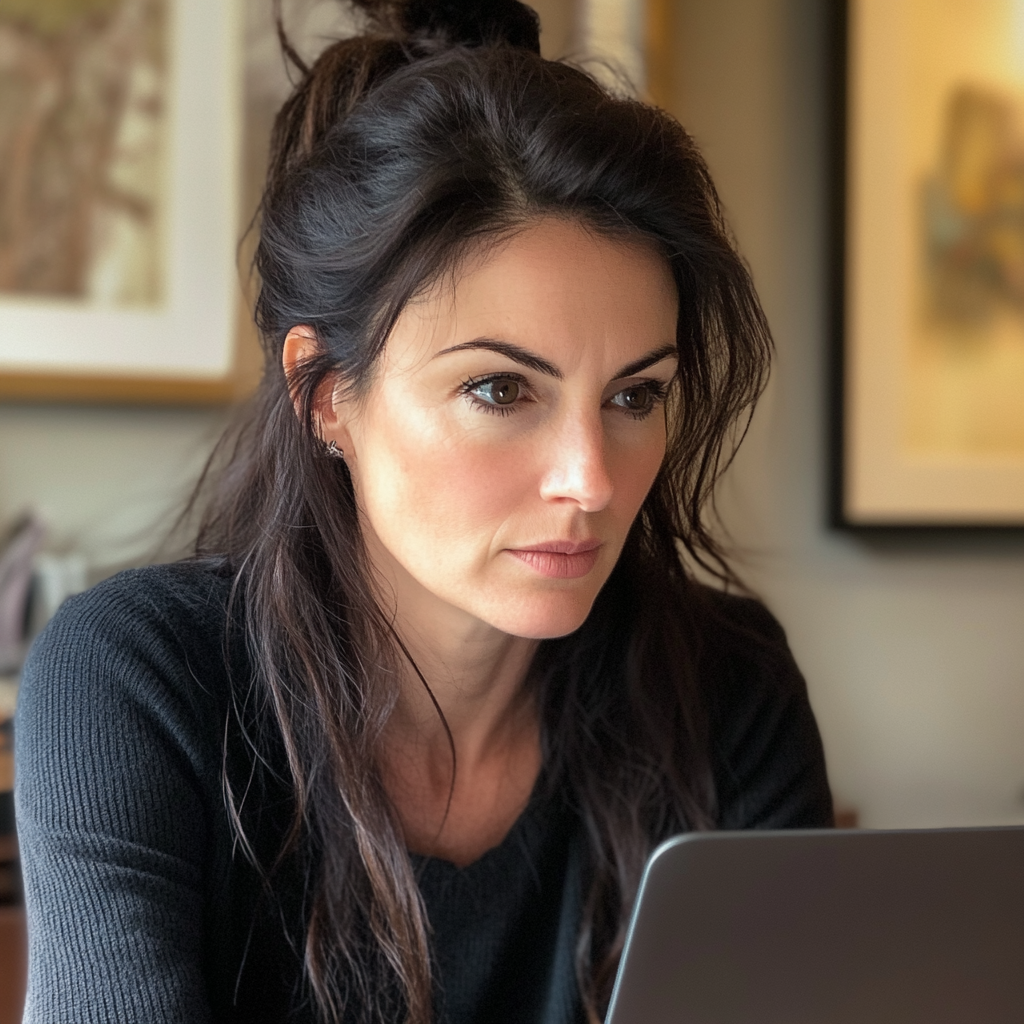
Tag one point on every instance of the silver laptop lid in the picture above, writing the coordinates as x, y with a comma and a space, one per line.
828, 927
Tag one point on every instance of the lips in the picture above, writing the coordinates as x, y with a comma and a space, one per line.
559, 559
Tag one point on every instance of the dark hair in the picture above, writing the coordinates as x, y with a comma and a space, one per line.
438, 129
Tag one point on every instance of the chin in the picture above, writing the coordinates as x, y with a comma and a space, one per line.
545, 618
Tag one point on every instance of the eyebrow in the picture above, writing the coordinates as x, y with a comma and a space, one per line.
507, 349
648, 360
534, 362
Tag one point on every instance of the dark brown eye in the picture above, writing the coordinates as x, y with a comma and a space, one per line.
499, 392
637, 399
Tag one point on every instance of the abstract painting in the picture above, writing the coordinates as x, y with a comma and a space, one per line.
933, 361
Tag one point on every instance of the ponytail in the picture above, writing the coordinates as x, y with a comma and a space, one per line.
398, 34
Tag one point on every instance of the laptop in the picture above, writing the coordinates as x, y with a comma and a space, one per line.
828, 927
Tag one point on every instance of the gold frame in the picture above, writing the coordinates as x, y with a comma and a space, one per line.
33, 387
128, 390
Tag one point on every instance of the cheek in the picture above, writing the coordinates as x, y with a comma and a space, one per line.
424, 477
634, 470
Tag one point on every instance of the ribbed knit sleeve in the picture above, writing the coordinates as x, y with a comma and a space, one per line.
114, 736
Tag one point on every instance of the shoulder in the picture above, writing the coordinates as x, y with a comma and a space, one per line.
766, 748
146, 648
744, 651
184, 592
181, 605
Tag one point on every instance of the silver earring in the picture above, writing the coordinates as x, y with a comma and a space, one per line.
335, 451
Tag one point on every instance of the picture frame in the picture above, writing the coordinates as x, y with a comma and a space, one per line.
188, 342
927, 395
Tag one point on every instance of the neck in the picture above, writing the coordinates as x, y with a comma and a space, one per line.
475, 672
477, 676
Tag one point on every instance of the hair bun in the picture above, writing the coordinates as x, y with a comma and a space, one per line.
474, 21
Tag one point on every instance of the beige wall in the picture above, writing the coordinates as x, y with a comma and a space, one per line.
914, 652
558, 26
108, 480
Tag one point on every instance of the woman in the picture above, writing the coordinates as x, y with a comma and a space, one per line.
396, 743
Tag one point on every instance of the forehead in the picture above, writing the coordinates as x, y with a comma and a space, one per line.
554, 287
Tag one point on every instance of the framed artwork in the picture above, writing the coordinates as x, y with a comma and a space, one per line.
930, 373
119, 199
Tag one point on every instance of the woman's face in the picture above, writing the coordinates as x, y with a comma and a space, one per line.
514, 426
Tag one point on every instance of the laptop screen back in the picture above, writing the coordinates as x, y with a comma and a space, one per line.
830, 927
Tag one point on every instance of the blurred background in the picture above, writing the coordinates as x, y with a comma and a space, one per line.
912, 645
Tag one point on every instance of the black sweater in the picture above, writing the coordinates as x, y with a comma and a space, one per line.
142, 910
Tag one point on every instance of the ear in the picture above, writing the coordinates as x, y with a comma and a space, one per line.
300, 345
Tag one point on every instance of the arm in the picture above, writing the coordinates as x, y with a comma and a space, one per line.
112, 810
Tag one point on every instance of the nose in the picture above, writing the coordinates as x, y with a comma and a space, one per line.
576, 468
